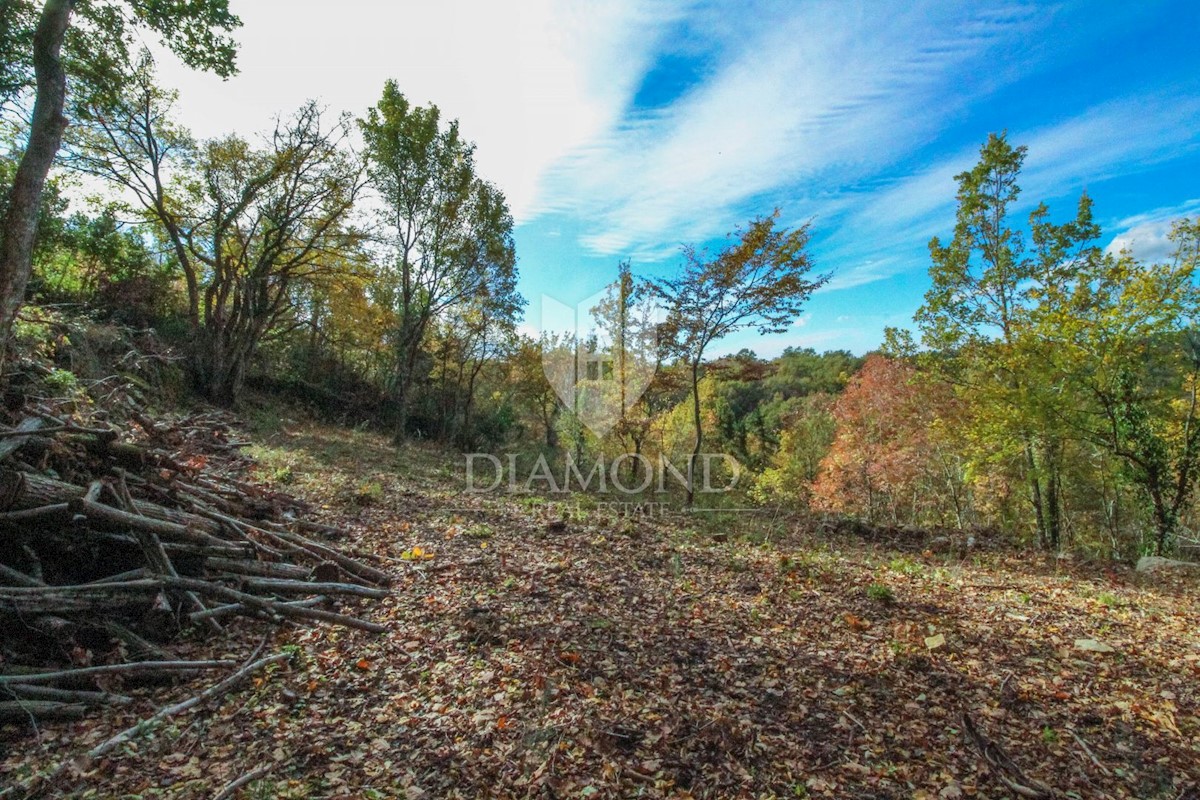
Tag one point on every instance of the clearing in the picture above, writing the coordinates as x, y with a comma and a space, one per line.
548, 649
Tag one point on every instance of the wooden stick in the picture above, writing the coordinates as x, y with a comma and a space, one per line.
132, 668
231, 609
273, 609
34, 710
1088, 751
156, 556
216, 690
285, 586
66, 695
151, 722
17, 578
98, 512
231, 788
352, 566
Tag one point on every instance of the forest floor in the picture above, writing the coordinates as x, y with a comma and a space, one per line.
555, 650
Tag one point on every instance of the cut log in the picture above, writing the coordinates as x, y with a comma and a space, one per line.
354, 567
22, 601
237, 609
34, 711
265, 569
284, 586
107, 517
27, 490
13, 439
274, 610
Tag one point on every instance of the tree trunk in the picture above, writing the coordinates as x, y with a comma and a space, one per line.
19, 226
1035, 495
691, 486
219, 371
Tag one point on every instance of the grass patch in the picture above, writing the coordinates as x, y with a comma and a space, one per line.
881, 593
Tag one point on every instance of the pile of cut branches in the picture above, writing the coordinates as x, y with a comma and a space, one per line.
115, 542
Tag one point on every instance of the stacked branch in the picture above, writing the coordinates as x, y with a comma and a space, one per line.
111, 546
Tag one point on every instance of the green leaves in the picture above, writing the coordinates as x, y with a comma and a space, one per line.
448, 248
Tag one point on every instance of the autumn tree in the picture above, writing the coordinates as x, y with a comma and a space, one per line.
245, 223
806, 432
887, 454
976, 314
760, 280
445, 234
528, 383
90, 41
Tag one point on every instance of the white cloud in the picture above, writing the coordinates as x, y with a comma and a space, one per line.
828, 95
1146, 235
530, 81
794, 97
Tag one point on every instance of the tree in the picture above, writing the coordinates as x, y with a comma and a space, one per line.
1121, 334
759, 281
985, 281
888, 455
244, 223
806, 433
475, 333
447, 233
96, 54
527, 379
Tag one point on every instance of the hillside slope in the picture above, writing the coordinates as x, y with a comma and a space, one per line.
549, 649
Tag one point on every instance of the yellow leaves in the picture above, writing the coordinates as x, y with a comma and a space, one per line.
1163, 718
416, 553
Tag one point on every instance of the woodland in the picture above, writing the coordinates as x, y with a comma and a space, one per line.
239, 556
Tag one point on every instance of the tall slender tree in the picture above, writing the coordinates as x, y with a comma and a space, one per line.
760, 280
445, 233
985, 282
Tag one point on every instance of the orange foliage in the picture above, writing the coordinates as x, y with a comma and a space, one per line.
885, 460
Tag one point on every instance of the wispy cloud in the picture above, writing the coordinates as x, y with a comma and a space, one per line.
825, 97
530, 82
885, 234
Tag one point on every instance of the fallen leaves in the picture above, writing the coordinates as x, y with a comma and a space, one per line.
668, 666
416, 553
856, 622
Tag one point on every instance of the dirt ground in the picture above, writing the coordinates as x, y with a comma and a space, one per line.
543, 649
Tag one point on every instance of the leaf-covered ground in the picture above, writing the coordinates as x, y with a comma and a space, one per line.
626, 656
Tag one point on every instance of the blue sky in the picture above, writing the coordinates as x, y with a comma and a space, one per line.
622, 129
